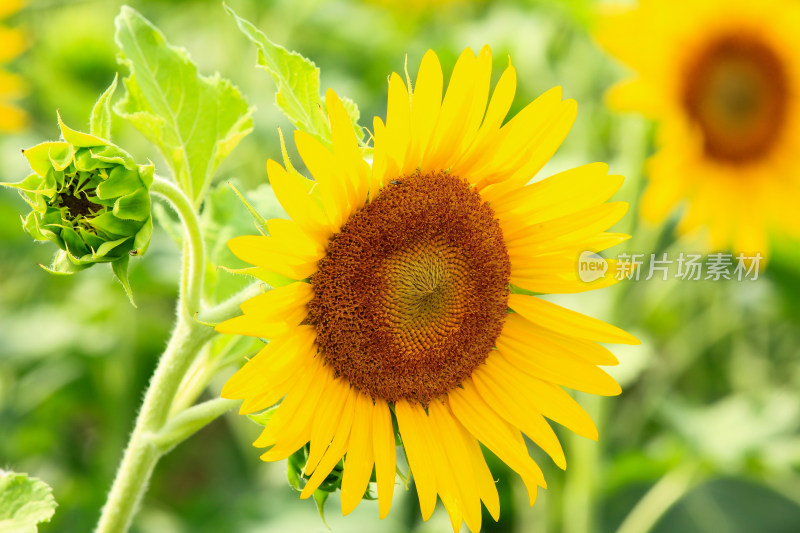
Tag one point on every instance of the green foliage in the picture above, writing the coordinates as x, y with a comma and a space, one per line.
224, 216
24, 503
297, 79
196, 121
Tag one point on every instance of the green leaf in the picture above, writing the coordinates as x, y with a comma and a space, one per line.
297, 79
120, 269
24, 503
732, 506
196, 121
100, 121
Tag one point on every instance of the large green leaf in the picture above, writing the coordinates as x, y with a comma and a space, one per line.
731, 506
196, 121
297, 79
24, 502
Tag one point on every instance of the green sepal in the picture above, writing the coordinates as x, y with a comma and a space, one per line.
141, 240
64, 264
134, 206
85, 161
513, 289
261, 222
112, 225
263, 418
78, 139
103, 250
30, 224
320, 497
39, 156
120, 270
113, 155
100, 121
31, 183
120, 182
61, 155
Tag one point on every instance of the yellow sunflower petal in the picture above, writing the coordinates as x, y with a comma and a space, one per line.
519, 413
483, 476
561, 194
261, 251
12, 118
546, 361
330, 182
396, 141
454, 123
572, 227
417, 456
460, 462
295, 197
549, 399
496, 434
266, 376
502, 98
337, 448
347, 152
289, 429
360, 459
446, 483
567, 322
426, 101
326, 421
385, 451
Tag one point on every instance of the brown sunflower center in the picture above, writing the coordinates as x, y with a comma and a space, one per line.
737, 92
412, 292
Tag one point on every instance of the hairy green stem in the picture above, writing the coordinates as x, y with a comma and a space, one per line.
188, 338
194, 249
142, 454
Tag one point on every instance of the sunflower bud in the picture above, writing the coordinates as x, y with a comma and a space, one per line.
91, 199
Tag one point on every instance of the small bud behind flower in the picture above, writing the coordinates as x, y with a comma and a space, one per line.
91, 199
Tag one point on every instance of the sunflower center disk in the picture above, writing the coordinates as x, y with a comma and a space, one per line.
413, 290
737, 91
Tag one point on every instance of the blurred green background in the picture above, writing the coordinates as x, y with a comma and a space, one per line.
710, 414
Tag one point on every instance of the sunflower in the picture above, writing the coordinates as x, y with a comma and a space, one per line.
12, 43
722, 78
409, 302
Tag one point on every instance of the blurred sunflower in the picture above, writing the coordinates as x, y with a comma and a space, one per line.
12, 43
403, 278
722, 77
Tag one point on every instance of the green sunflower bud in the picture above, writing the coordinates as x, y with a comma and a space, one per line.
91, 199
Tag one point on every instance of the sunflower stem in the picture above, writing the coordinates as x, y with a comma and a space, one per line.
581, 476
187, 340
142, 454
194, 257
